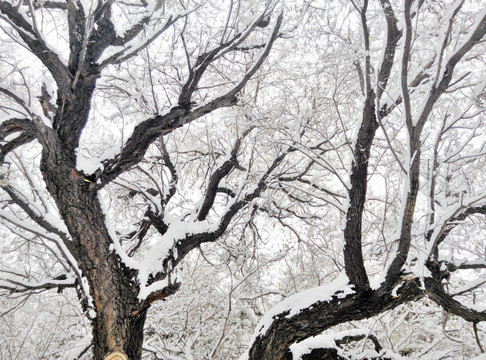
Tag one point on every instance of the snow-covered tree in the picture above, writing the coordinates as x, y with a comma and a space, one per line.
72, 139
406, 89
320, 169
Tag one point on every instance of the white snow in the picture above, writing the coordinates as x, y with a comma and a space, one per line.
306, 346
322, 341
294, 304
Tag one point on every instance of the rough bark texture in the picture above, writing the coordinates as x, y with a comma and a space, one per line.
284, 331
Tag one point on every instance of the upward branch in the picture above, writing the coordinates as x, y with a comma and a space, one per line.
353, 255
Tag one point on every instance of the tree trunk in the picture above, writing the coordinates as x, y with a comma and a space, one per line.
120, 316
128, 336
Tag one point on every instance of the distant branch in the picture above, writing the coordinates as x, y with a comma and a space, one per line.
17, 284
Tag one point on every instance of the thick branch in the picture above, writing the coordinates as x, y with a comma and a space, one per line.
218, 175
393, 273
286, 330
447, 302
393, 35
353, 256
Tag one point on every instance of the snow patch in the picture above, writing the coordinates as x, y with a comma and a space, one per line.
294, 304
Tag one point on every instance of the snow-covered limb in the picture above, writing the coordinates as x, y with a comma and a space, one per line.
295, 304
129, 49
179, 238
449, 218
291, 325
445, 76
332, 343
435, 292
16, 282
12, 126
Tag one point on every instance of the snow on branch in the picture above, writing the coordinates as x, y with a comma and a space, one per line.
15, 282
293, 305
180, 237
436, 292
15, 125
453, 216
130, 49
332, 343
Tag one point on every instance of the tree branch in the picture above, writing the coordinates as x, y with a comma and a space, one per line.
448, 303
17, 285
11, 126
36, 44
216, 177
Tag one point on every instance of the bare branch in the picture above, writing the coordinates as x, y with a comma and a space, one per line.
17, 284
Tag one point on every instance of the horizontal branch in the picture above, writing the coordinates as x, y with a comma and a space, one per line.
286, 328
16, 284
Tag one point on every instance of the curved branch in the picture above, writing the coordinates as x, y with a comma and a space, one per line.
461, 214
287, 328
11, 126
448, 303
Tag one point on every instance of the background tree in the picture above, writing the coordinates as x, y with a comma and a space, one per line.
420, 134
85, 53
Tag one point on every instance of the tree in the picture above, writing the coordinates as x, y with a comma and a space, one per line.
59, 206
354, 155
422, 81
